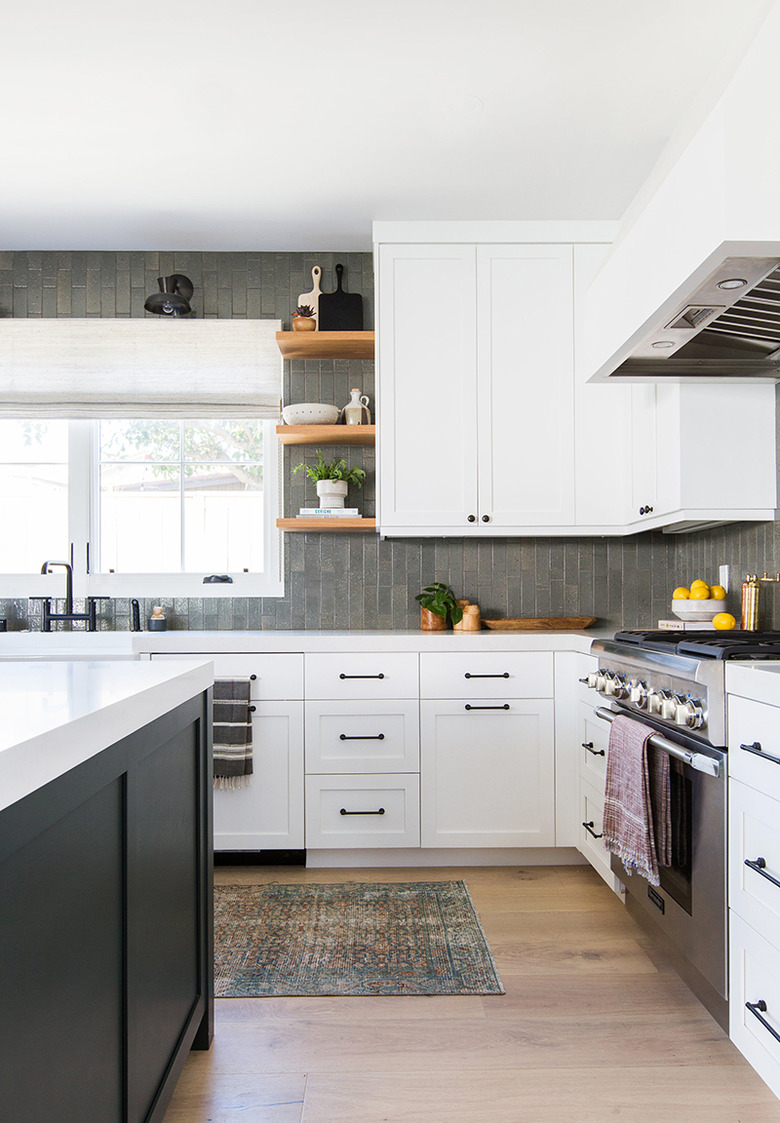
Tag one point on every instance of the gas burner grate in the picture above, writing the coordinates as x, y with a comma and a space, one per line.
706, 645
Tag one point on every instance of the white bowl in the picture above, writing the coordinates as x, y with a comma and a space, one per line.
310, 413
702, 610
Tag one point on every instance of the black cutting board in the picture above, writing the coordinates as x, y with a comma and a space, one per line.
339, 310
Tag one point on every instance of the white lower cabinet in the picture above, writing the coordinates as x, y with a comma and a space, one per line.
362, 750
488, 774
267, 814
345, 812
754, 884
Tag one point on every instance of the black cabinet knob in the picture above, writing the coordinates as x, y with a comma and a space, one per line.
472, 518
486, 518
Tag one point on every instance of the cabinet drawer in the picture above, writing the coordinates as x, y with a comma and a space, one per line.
362, 675
754, 836
358, 811
590, 825
484, 675
354, 737
276, 676
592, 747
755, 724
755, 977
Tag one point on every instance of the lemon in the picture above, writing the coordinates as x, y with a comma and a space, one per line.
724, 621
681, 594
700, 593
699, 584
717, 592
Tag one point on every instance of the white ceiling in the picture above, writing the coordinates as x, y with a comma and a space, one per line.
272, 125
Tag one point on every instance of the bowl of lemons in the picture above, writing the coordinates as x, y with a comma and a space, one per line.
702, 603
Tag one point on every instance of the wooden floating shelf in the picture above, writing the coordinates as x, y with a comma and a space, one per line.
326, 434
326, 344
335, 525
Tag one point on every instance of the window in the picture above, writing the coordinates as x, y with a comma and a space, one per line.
140, 506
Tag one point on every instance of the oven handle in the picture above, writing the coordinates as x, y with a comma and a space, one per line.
698, 761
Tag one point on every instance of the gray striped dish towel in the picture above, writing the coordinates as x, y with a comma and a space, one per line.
232, 733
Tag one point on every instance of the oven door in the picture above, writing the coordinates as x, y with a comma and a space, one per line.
687, 912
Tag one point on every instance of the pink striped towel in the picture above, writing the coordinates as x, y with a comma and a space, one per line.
637, 815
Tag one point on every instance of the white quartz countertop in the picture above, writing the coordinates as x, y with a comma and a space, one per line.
108, 645
759, 681
58, 714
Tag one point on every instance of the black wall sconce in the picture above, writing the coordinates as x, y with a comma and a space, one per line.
174, 296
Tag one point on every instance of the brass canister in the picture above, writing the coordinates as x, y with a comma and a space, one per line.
751, 595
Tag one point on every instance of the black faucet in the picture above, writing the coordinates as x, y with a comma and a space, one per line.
90, 616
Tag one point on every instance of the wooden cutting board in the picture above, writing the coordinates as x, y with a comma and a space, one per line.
540, 623
313, 298
339, 310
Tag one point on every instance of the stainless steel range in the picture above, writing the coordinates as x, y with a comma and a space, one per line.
675, 683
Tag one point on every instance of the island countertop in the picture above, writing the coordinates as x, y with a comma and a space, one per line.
58, 714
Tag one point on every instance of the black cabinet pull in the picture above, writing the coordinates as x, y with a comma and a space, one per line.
472, 518
589, 828
344, 811
364, 737
252, 709
645, 510
468, 674
504, 707
361, 676
756, 748
759, 865
486, 518
594, 752
754, 1008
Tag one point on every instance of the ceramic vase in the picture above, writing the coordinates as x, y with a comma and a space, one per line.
332, 493
431, 621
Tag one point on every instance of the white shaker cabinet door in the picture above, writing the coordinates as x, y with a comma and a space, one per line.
525, 372
487, 773
267, 814
426, 354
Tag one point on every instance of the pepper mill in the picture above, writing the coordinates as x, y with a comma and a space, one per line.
751, 599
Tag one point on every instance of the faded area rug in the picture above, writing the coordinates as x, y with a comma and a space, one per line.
353, 939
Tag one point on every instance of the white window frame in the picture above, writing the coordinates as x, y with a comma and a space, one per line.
83, 496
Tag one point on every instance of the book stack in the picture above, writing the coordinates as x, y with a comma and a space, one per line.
329, 513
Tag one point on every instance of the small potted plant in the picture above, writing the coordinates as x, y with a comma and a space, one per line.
437, 602
303, 318
332, 479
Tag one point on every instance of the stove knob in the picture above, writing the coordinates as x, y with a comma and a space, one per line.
638, 694
689, 712
669, 706
654, 700
592, 680
621, 688
601, 680
609, 683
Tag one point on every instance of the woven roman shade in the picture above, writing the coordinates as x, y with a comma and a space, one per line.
69, 368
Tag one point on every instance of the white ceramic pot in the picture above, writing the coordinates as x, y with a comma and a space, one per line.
332, 493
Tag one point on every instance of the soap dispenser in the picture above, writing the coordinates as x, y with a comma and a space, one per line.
157, 622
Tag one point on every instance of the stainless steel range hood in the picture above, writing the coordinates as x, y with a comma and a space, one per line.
729, 326
690, 290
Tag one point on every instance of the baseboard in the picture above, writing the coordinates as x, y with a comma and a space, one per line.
259, 857
417, 858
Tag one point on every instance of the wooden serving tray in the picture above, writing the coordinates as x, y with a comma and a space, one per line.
540, 623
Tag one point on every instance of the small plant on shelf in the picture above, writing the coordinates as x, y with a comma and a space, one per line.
336, 470
438, 601
332, 479
303, 318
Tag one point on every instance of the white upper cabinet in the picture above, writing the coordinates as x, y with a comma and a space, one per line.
525, 405
475, 406
426, 347
485, 426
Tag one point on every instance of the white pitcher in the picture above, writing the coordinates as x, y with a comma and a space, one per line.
356, 410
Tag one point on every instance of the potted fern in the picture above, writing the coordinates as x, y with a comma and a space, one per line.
332, 479
437, 602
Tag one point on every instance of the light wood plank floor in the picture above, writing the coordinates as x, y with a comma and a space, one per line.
593, 1026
